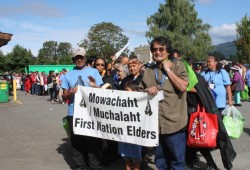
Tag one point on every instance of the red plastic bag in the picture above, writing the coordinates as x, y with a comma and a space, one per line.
202, 129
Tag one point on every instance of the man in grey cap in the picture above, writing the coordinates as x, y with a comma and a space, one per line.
84, 148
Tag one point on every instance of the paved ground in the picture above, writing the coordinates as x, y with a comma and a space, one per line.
32, 137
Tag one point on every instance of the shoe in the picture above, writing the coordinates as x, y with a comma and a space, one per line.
237, 104
212, 167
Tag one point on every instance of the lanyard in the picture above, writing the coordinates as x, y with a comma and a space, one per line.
157, 78
211, 78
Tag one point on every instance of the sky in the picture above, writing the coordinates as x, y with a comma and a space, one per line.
34, 22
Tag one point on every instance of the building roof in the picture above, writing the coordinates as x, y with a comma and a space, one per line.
4, 38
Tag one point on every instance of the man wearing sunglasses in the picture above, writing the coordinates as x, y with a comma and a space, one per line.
84, 148
169, 80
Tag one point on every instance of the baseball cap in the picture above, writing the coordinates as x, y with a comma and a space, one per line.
79, 51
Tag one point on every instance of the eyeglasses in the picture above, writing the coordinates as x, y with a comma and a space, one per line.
161, 49
100, 64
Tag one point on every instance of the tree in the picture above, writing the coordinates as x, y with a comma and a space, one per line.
2, 62
243, 39
64, 52
177, 20
104, 39
18, 59
53, 52
48, 53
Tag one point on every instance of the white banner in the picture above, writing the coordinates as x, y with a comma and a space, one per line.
130, 117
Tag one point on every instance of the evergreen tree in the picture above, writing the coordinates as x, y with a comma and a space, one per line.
177, 20
243, 39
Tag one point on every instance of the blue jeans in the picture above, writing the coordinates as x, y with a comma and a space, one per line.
170, 154
37, 89
33, 86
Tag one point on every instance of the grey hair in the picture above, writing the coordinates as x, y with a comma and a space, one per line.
125, 69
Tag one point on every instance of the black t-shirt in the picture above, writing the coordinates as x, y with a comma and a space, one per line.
50, 79
129, 78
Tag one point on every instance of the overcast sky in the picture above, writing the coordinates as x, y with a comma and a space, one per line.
34, 22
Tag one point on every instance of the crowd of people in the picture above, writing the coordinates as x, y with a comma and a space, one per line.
218, 85
163, 75
40, 83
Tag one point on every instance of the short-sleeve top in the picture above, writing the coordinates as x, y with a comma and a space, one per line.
173, 108
74, 78
220, 78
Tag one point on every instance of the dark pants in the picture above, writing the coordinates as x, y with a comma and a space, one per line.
22, 87
109, 151
51, 93
42, 90
85, 149
205, 152
37, 89
33, 87
170, 154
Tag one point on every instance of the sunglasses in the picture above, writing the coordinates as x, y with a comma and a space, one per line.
161, 49
78, 58
100, 64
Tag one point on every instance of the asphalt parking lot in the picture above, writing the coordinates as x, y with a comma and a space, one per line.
32, 137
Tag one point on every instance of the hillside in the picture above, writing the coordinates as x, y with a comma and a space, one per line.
227, 49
